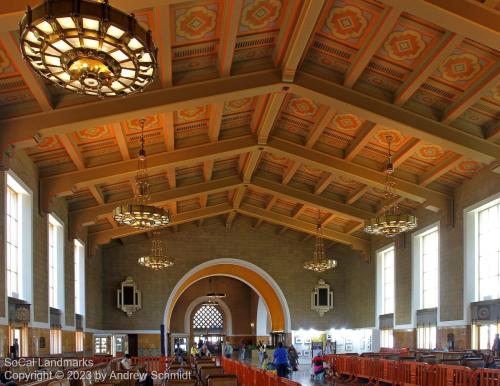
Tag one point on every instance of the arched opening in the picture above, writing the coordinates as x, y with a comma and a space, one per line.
270, 299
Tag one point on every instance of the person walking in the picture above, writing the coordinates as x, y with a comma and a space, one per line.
293, 358
496, 345
262, 350
242, 351
228, 350
281, 360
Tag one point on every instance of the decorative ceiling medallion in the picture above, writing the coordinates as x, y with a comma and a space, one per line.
312, 171
460, 67
93, 133
192, 114
196, 23
346, 22
302, 107
238, 105
382, 135
430, 152
404, 45
260, 14
151, 122
468, 167
347, 122
88, 47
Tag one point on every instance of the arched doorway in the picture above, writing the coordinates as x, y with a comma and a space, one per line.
253, 276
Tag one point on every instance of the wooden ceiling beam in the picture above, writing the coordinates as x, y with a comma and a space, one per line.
442, 168
33, 82
290, 172
389, 115
162, 18
73, 152
97, 194
354, 171
357, 243
426, 68
472, 95
376, 37
405, 152
121, 140
324, 182
216, 110
319, 126
356, 194
104, 237
172, 178
269, 206
250, 165
167, 120
269, 116
27, 130
306, 198
227, 44
68, 182
302, 30
298, 210
480, 22
361, 140
208, 169
84, 217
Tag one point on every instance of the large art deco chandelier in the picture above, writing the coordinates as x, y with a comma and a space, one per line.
88, 47
392, 222
319, 262
156, 259
139, 214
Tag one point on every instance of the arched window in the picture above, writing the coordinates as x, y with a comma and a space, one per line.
208, 317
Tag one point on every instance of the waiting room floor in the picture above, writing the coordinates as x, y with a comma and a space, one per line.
303, 375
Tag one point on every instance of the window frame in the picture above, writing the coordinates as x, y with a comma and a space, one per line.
55, 223
471, 251
24, 235
55, 341
380, 282
417, 268
79, 276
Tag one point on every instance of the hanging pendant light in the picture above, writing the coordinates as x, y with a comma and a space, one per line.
392, 222
213, 294
319, 262
156, 259
139, 214
88, 47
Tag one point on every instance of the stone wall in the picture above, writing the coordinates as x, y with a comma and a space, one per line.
281, 257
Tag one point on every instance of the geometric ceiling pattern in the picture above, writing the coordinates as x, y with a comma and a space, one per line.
276, 111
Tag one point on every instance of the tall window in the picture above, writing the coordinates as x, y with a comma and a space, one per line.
489, 252
387, 338
18, 243
426, 337
79, 278
55, 341
79, 341
13, 242
52, 265
429, 266
56, 263
387, 257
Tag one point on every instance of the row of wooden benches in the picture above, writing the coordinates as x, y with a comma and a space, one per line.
404, 373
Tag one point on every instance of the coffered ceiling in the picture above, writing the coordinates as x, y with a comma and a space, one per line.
273, 110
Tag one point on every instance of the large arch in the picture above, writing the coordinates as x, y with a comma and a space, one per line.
255, 277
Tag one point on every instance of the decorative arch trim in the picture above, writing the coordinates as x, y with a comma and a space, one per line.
252, 275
